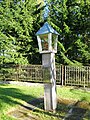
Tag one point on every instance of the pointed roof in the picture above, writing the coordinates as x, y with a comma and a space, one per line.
46, 28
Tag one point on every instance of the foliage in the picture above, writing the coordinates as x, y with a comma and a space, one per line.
19, 21
72, 20
33, 55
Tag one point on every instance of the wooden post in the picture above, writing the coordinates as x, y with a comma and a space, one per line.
62, 75
65, 75
48, 62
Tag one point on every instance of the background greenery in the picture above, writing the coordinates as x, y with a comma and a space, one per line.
20, 20
72, 20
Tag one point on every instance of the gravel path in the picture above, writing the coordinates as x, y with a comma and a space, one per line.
21, 83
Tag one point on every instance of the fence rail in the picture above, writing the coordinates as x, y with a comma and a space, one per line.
77, 76
65, 75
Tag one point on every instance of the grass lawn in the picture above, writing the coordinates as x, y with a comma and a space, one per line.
12, 96
74, 93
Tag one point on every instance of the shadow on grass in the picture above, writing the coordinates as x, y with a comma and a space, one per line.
11, 96
63, 111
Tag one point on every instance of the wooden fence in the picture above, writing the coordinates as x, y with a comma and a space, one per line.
65, 75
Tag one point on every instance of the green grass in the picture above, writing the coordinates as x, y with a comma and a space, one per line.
74, 93
12, 96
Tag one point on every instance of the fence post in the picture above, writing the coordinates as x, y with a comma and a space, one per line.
65, 75
84, 81
62, 75
17, 71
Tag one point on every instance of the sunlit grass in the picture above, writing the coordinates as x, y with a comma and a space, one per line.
73, 93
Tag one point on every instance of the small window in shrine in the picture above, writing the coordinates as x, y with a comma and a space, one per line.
44, 41
53, 40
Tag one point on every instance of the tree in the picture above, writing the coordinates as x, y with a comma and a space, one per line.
17, 21
33, 55
72, 20
8, 36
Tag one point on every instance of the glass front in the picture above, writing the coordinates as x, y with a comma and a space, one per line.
44, 41
53, 41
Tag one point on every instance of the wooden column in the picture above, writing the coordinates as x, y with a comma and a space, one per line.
48, 62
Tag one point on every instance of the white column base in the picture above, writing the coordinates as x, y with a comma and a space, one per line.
50, 101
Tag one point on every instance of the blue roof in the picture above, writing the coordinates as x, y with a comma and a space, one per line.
46, 28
